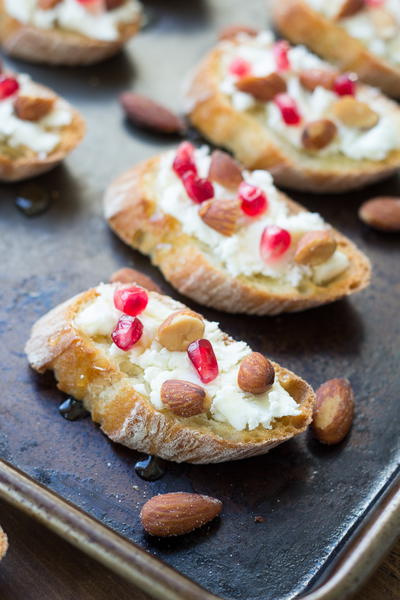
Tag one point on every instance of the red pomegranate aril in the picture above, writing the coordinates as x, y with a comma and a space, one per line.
127, 332
345, 84
94, 6
8, 87
288, 107
183, 161
131, 301
374, 3
202, 356
239, 67
197, 189
274, 242
253, 200
280, 51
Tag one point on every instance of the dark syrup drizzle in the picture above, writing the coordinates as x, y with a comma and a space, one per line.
32, 200
150, 468
72, 410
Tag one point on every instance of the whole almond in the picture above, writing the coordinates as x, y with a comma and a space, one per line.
381, 213
180, 329
262, 88
3, 543
312, 78
315, 247
127, 275
318, 134
230, 32
33, 108
256, 374
112, 4
349, 8
47, 4
146, 113
178, 513
184, 398
225, 170
353, 113
221, 214
333, 412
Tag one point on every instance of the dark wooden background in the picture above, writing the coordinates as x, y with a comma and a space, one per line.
41, 566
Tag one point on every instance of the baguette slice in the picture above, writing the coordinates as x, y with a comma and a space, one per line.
57, 46
3, 544
133, 211
27, 163
85, 368
302, 25
258, 146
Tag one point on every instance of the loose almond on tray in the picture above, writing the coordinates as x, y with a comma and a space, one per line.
67, 32
175, 385
282, 108
227, 238
38, 129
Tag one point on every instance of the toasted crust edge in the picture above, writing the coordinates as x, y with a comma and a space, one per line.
3, 543
129, 418
258, 148
57, 47
128, 208
302, 25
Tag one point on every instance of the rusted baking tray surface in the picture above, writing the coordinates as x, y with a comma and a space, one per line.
312, 498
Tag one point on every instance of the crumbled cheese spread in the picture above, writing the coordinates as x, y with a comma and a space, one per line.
374, 144
381, 37
156, 364
72, 15
240, 252
41, 136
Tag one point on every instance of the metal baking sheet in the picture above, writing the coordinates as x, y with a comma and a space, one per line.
311, 497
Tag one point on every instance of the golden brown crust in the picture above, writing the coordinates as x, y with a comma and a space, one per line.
132, 212
17, 169
3, 543
259, 148
57, 46
302, 25
83, 370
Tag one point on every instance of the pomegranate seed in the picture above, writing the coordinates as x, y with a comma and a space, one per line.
93, 6
274, 242
288, 107
374, 3
196, 188
127, 332
239, 67
183, 162
345, 84
280, 51
202, 356
253, 200
131, 301
8, 87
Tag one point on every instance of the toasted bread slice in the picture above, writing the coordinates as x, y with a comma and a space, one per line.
58, 46
254, 138
196, 268
122, 389
3, 543
301, 24
20, 161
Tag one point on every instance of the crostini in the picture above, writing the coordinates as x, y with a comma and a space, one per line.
67, 32
281, 108
227, 238
3, 544
161, 379
362, 36
37, 128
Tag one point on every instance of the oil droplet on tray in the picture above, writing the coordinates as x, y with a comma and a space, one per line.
72, 410
150, 468
32, 200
